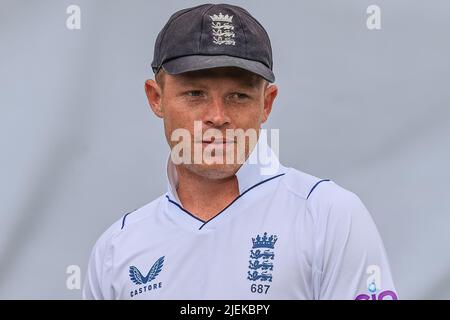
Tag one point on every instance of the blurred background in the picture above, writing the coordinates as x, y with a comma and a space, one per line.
80, 147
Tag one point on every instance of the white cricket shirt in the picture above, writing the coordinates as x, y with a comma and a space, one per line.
289, 235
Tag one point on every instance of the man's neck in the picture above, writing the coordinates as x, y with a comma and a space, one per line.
204, 197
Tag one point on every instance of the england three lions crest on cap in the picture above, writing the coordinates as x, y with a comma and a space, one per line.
223, 29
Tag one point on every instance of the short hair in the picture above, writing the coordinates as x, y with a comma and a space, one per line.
159, 77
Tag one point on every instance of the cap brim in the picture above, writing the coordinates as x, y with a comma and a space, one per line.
197, 62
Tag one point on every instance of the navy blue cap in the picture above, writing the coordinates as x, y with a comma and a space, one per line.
211, 36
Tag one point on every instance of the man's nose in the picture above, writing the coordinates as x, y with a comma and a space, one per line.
216, 114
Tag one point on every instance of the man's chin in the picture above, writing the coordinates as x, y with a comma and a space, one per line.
214, 170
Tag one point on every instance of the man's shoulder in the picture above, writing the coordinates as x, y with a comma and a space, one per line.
300, 183
129, 220
137, 216
321, 194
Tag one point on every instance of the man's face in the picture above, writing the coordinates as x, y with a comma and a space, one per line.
222, 99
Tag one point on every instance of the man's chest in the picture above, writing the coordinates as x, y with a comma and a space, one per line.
256, 257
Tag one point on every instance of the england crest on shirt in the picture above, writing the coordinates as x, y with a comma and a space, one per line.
261, 262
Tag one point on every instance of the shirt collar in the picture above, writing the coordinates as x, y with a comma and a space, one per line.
262, 164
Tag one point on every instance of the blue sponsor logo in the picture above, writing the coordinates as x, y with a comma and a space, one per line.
139, 279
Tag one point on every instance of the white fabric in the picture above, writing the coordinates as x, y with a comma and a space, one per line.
326, 247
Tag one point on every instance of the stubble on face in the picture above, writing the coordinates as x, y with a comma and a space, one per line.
221, 99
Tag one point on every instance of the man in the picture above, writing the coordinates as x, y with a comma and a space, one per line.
234, 223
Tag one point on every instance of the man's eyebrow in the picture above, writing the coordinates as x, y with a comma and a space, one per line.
250, 84
185, 81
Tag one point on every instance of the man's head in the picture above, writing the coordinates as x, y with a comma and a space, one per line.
215, 83
221, 98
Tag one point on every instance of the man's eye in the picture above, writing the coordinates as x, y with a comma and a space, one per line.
239, 95
194, 93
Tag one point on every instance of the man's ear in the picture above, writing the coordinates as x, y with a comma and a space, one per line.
270, 94
154, 96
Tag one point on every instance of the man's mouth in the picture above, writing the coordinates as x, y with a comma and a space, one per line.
217, 141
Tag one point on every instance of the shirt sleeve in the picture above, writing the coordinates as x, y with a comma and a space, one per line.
353, 263
97, 283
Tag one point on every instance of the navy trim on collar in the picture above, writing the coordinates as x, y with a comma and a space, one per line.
223, 210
